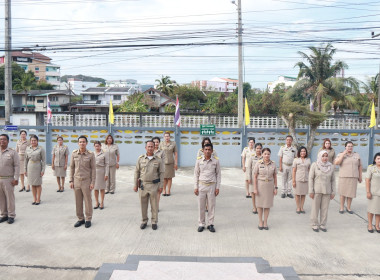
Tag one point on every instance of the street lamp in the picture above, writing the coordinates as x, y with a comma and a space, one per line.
240, 53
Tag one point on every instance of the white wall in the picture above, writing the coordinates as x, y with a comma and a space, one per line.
24, 119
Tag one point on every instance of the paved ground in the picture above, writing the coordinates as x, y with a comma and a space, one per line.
43, 244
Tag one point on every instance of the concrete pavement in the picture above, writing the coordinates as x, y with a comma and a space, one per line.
43, 244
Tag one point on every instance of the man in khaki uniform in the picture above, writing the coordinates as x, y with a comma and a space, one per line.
207, 183
9, 174
287, 154
82, 180
149, 177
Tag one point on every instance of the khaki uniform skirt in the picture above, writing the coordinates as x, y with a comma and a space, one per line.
347, 186
100, 184
265, 197
169, 171
302, 188
59, 171
374, 205
22, 163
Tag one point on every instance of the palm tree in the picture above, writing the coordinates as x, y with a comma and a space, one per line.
364, 101
25, 84
316, 78
165, 85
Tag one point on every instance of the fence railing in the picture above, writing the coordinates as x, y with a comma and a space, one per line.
192, 121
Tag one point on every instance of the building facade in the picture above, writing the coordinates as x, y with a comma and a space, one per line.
286, 80
216, 84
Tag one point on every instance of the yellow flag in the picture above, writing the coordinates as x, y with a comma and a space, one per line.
373, 116
246, 112
111, 117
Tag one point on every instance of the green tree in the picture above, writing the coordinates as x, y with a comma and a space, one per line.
165, 85
315, 77
191, 98
17, 72
25, 85
136, 103
247, 89
43, 85
363, 102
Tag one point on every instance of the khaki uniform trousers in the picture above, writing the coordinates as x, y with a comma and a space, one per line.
319, 207
149, 194
111, 182
83, 193
207, 197
287, 172
7, 198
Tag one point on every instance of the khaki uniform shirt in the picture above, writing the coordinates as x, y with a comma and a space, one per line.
349, 166
247, 153
60, 153
9, 164
149, 169
288, 154
83, 166
302, 169
37, 154
373, 174
101, 160
21, 147
169, 150
112, 152
160, 154
331, 153
207, 171
251, 165
265, 172
321, 182
200, 153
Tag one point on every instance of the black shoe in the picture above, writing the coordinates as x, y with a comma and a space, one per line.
59, 190
290, 195
206, 210
323, 229
371, 231
316, 230
101, 208
303, 212
349, 211
11, 220
79, 223
377, 230
3, 219
112, 192
87, 224
298, 212
200, 229
211, 228
27, 190
341, 211
260, 228
62, 190
168, 194
154, 226
249, 196
37, 203
34, 203
254, 212
97, 206
106, 192
266, 228
283, 195
23, 189
142, 226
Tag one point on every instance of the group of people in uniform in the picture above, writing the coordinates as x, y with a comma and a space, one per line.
316, 179
156, 168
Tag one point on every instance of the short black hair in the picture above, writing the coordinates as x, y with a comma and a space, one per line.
252, 138
60, 137
258, 144
21, 131
156, 138
209, 145
146, 143
97, 143
266, 149
204, 140
374, 158
348, 142
289, 136
34, 136
83, 137
299, 151
5, 135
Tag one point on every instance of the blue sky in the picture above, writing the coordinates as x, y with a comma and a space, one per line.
134, 39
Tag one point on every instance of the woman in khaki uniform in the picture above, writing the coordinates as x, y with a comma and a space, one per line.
21, 146
265, 187
373, 193
171, 162
113, 154
350, 173
245, 157
330, 150
59, 162
251, 165
301, 167
102, 171
321, 190
158, 152
35, 161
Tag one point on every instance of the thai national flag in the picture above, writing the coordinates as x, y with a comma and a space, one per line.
177, 116
49, 114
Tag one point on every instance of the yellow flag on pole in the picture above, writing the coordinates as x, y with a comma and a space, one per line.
246, 113
111, 117
373, 116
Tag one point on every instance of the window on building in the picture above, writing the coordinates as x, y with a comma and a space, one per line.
40, 101
117, 97
94, 97
37, 78
2, 97
30, 98
53, 98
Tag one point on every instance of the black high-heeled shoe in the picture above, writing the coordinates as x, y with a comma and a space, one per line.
23, 189
97, 206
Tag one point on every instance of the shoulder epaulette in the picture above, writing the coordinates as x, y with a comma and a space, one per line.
261, 161
199, 157
141, 156
370, 165
11, 149
216, 158
90, 152
75, 151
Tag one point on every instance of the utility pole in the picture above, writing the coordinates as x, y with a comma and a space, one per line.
378, 88
8, 63
240, 46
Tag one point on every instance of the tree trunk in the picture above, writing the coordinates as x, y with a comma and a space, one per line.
310, 140
292, 129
